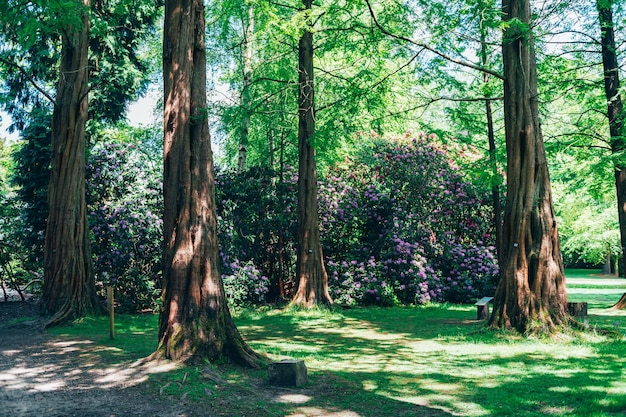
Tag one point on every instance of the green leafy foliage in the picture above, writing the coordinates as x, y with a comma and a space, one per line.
358, 76
124, 204
19, 267
257, 229
30, 176
120, 72
399, 225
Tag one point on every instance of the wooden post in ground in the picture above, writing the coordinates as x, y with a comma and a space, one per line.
110, 301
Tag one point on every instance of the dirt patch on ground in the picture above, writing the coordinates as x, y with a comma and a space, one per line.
41, 375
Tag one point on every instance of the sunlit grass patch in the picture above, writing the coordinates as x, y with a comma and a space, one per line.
135, 335
431, 360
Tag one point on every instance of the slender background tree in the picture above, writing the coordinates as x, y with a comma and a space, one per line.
615, 111
311, 276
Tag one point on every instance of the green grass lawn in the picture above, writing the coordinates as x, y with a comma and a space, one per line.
433, 360
591, 286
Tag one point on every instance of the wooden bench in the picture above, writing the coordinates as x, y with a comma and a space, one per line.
483, 308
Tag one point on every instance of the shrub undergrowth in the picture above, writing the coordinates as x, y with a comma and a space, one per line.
400, 225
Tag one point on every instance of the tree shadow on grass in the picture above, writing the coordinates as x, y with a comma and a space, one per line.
443, 361
46, 375
362, 363
41, 375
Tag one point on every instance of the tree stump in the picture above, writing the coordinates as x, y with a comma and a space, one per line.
621, 304
287, 373
577, 309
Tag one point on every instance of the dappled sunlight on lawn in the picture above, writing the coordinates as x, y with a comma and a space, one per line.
320, 412
71, 364
613, 312
304, 410
451, 364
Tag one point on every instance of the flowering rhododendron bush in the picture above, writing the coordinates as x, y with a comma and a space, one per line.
124, 207
399, 225
402, 225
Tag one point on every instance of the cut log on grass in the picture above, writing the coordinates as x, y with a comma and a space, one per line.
577, 309
621, 304
287, 373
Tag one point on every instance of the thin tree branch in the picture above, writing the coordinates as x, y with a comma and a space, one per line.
29, 78
371, 87
285, 5
421, 45
434, 100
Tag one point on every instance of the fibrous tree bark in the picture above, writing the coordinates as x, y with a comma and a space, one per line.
311, 276
531, 295
195, 322
615, 113
69, 284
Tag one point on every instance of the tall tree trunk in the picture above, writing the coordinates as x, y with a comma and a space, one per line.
495, 187
531, 295
245, 92
615, 109
195, 322
310, 270
69, 284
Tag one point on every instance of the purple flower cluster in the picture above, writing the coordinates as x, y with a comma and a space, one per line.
244, 283
399, 225
124, 200
471, 271
414, 224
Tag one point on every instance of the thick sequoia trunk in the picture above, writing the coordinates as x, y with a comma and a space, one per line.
531, 295
615, 109
195, 322
69, 285
310, 270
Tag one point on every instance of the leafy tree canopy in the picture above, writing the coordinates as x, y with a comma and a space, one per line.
30, 48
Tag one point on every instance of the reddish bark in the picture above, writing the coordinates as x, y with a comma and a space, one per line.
195, 322
531, 294
69, 284
310, 270
621, 304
